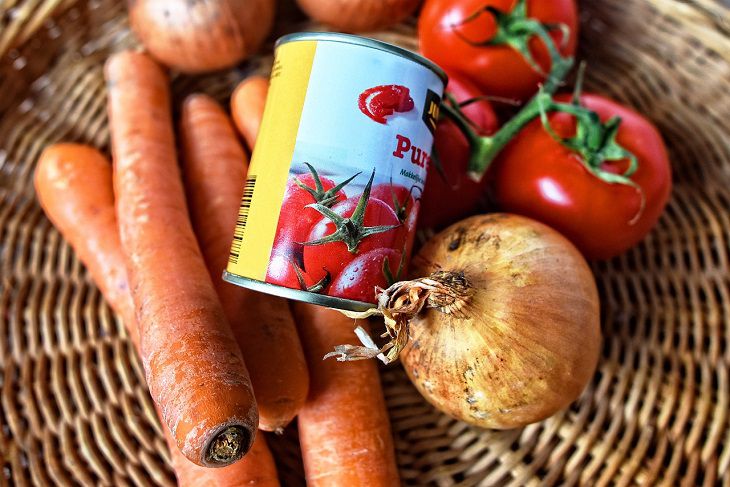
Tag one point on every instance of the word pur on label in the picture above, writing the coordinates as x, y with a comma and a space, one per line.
419, 157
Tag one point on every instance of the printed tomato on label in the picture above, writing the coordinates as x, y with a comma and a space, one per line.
572, 190
381, 101
405, 202
399, 198
450, 194
349, 229
284, 271
465, 36
358, 280
296, 219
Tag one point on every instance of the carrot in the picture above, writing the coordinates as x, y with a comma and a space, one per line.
74, 184
214, 170
193, 367
257, 468
247, 107
344, 430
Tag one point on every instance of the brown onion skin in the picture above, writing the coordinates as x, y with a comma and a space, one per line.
529, 339
196, 36
359, 15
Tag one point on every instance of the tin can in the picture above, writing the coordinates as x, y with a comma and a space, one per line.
332, 193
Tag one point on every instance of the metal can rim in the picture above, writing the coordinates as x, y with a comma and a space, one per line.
365, 42
297, 295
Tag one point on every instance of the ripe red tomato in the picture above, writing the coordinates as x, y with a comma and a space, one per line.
538, 177
447, 30
295, 220
398, 197
333, 257
451, 196
360, 277
281, 271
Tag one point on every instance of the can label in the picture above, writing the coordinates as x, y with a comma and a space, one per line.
333, 189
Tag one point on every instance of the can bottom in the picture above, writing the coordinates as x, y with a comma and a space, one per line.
297, 295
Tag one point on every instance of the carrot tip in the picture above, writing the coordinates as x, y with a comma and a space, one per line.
228, 446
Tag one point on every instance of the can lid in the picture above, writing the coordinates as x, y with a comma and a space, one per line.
365, 42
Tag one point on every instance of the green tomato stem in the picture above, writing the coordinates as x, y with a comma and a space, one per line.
486, 148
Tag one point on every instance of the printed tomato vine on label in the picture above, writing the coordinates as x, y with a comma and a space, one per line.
348, 229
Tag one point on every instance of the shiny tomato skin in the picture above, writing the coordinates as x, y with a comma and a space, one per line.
498, 70
409, 206
359, 278
385, 193
295, 220
333, 257
447, 200
538, 177
281, 272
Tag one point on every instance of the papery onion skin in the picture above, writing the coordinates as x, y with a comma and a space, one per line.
528, 340
196, 36
359, 15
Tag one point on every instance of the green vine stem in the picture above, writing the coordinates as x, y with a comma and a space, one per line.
514, 29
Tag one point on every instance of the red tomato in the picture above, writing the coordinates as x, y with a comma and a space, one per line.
360, 277
333, 257
398, 197
453, 195
538, 177
408, 232
447, 32
295, 220
282, 271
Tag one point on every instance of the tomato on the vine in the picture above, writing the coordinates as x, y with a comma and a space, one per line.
295, 219
333, 256
456, 35
359, 278
451, 195
537, 176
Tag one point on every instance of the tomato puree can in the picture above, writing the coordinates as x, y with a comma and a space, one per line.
332, 193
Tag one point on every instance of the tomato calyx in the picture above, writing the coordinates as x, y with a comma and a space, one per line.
322, 197
516, 29
389, 277
317, 287
350, 230
596, 144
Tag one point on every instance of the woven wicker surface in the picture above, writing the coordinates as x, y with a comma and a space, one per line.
73, 404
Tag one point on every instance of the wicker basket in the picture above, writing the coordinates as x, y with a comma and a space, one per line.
74, 406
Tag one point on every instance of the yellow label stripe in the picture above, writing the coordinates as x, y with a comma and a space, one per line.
272, 157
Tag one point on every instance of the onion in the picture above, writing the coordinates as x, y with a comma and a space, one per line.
359, 15
505, 330
196, 36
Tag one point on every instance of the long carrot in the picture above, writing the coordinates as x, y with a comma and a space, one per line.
214, 170
74, 186
344, 429
249, 98
193, 367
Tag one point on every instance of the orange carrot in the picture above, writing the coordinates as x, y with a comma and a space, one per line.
74, 186
214, 170
256, 469
344, 429
247, 106
193, 367
73, 183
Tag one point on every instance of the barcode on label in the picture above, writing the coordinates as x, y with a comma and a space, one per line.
242, 219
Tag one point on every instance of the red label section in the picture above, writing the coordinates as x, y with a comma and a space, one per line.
381, 101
